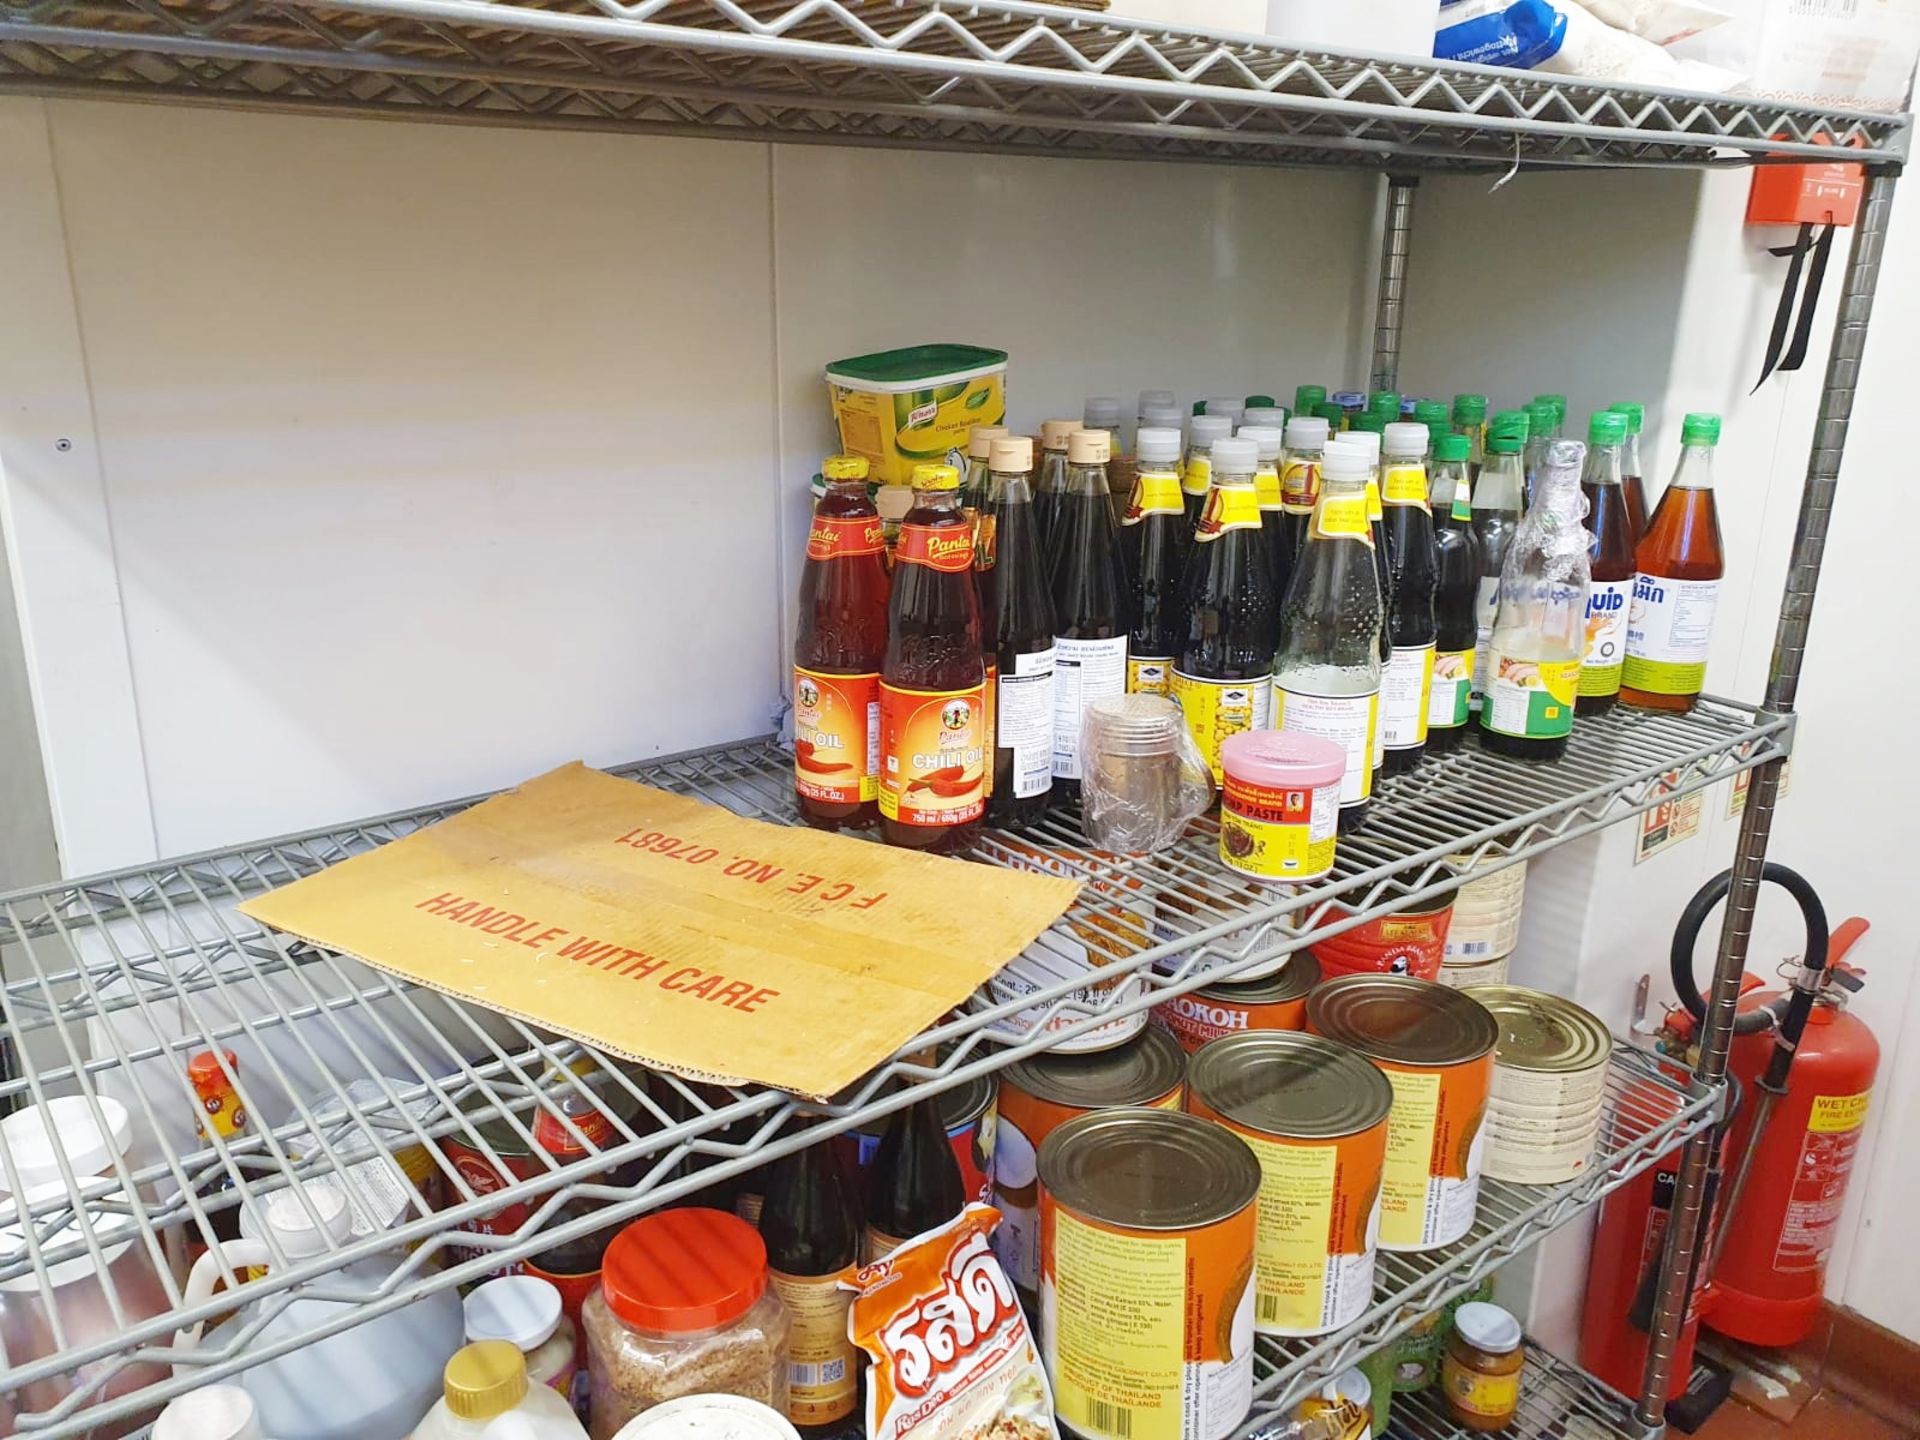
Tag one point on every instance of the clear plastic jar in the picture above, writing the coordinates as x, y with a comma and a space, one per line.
683, 1308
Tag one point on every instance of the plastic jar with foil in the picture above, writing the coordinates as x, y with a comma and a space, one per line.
1279, 804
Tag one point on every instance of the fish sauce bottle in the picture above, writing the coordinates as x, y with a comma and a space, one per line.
813, 1248
1632, 475
1541, 428
1300, 482
1306, 398
973, 487
1678, 567
1105, 413
1406, 684
1202, 432
1385, 404
1017, 616
838, 649
1499, 497
1438, 420
1455, 595
1268, 442
1232, 614
1470, 420
915, 1183
1154, 541
1091, 613
1050, 481
1611, 561
933, 718
1326, 668
1539, 633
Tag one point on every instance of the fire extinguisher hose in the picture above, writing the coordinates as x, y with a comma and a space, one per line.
1792, 1018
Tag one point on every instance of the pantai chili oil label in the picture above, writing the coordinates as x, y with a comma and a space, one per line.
836, 736
1431, 1183
836, 536
933, 755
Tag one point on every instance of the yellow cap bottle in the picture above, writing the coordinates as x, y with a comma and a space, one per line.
485, 1379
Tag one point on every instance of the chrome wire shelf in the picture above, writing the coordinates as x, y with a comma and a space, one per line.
1651, 1108
915, 73
1558, 1401
116, 981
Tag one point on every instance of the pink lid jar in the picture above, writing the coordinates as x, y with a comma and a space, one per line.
1279, 804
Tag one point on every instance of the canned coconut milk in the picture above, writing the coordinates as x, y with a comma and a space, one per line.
1043, 1092
1475, 972
1549, 1085
1276, 1002
1147, 1228
1436, 1047
1486, 911
1315, 1114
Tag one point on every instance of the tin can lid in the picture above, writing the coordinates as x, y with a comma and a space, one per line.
1282, 759
1149, 1169
1403, 1020
1298, 974
1145, 1069
1543, 1032
1282, 1082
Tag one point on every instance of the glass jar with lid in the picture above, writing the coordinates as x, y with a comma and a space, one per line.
683, 1308
1480, 1372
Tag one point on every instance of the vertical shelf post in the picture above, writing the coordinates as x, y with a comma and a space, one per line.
1394, 242
1756, 823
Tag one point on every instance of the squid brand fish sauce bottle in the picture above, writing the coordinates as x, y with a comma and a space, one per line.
1676, 586
837, 652
933, 717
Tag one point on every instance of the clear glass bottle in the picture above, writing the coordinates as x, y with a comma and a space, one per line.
1470, 420
1406, 684
1226, 648
1456, 594
1017, 621
1611, 561
1632, 472
1195, 478
1300, 481
1540, 630
1104, 412
1326, 669
1367, 433
1499, 500
1678, 567
1154, 539
1268, 442
1541, 421
1091, 613
973, 488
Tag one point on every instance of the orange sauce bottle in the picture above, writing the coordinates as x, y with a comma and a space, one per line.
1678, 568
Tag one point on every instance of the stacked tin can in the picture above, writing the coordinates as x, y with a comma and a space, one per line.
1549, 1085
1486, 923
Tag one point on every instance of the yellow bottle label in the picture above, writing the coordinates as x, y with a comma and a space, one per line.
1266, 488
1216, 709
1350, 721
1198, 475
1490, 1397
1155, 492
1407, 485
1345, 515
1229, 507
1374, 512
1300, 485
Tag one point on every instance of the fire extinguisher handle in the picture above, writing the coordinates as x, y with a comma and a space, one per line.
1687, 931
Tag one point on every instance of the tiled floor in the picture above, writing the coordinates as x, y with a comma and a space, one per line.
1826, 1417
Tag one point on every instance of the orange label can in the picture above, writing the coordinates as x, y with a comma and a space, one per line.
1146, 1298
1274, 1002
1315, 1115
1435, 1046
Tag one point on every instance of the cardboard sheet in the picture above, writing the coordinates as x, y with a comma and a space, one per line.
674, 933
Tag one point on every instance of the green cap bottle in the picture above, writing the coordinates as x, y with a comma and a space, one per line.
1451, 447
1373, 420
1542, 418
1635, 412
1700, 428
1307, 399
1558, 402
1469, 409
1384, 402
1606, 427
1260, 402
1433, 415
1335, 417
1507, 434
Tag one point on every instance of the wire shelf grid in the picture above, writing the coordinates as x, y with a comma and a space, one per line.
115, 981
919, 73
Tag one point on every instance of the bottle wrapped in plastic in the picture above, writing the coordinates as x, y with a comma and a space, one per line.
1145, 777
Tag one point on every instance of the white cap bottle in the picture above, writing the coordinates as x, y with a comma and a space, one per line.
213, 1412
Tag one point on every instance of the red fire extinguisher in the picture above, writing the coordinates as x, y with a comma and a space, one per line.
1799, 1073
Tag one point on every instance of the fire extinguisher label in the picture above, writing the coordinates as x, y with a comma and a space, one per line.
1820, 1182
